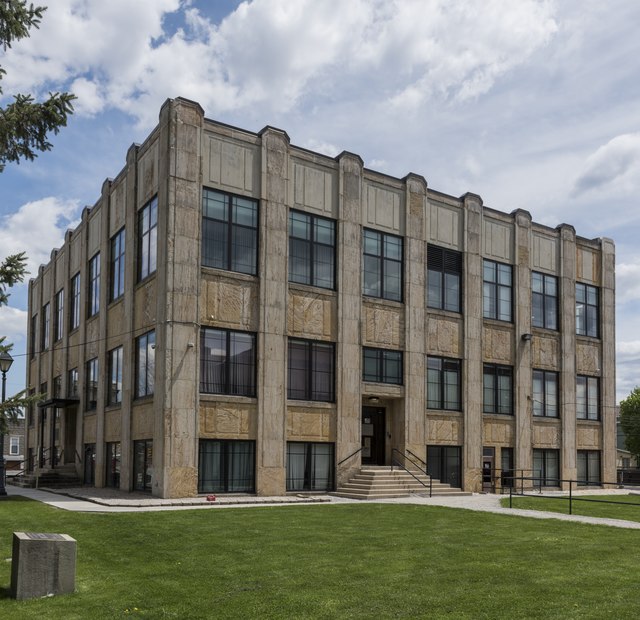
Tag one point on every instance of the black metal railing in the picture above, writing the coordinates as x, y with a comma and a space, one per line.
346, 458
398, 459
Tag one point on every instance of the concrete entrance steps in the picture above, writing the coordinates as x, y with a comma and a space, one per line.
63, 476
381, 482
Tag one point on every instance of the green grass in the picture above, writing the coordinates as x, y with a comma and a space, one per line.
339, 561
629, 512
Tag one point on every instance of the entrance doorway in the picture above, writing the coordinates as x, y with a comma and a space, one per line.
373, 435
69, 453
488, 466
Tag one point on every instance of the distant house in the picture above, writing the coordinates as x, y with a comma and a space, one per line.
13, 448
624, 458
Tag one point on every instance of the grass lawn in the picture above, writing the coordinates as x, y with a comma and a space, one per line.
630, 512
340, 561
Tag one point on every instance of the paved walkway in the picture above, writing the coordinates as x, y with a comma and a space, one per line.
85, 499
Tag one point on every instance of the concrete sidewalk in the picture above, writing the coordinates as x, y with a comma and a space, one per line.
87, 499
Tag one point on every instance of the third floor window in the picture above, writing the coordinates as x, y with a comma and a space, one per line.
116, 288
497, 289
382, 265
312, 249
586, 310
444, 279
544, 300
94, 285
148, 239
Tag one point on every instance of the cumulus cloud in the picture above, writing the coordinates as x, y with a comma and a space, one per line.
14, 324
615, 166
628, 282
276, 53
36, 228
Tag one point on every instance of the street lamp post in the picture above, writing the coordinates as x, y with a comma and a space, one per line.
5, 363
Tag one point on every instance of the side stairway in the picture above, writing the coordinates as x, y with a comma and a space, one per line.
383, 482
63, 476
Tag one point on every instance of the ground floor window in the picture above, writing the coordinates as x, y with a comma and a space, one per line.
113, 465
142, 464
309, 466
588, 467
444, 463
506, 466
90, 464
546, 467
226, 466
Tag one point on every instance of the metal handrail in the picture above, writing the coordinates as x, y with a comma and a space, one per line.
346, 458
399, 464
417, 457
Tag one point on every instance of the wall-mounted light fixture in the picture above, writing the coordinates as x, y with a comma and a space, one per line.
373, 400
526, 337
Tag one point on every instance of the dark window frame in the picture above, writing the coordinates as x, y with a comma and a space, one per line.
91, 384
496, 371
493, 289
93, 298
584, 410
544, 299
113, 463
145, 364
543, 406
46, 327
446, 365
142, 447
313, 247
312, 478
546, 478
229, 367
74, 314
226, 482
441, 264
117, 271
72, 383
587, 311
147, 256
590, 478
382, 358
383, 266
58, 325
230, 230
115, 375
310, 390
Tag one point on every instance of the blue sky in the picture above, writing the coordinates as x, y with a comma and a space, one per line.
531, 104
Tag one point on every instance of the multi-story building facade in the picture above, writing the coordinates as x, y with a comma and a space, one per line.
239, 314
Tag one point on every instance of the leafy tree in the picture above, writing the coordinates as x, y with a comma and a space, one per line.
630, 421
25, 123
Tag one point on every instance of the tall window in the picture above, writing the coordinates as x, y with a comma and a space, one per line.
114, 391
311, 371
506, 465
309, 466
91, 383
497, 392
58, 326
588, 467
227, 362
94, 285
74, 315
148, 239
116, 288
72, 383
113, 461
444, 463
312, 249
145, 364
544, 300
226, 466
545, 393
444, 278
586, 310
546, 467
229, 232
46, 326
382, 265
587, 398
382, 366
497, 291
142, 464
33, 335
14, 446
443, 383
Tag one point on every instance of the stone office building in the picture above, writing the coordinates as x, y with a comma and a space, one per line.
237, 314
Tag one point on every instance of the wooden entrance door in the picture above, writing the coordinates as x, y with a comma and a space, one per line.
373, 436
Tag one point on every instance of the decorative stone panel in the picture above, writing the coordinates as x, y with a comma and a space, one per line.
445, 226
142, 421
547, 435
498, 240
497, 345
148, 174
588, 266
231, 165
444, 336
226, 302
383, 327
499, 432
310, 315
546, 351
589, 437
445, 429
112, 425
314, 188
545, 253
89, 425
309, 424
145, 306
587, 359
383, 209
117, 206
228, 420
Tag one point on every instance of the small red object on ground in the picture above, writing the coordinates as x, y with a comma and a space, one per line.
211, 498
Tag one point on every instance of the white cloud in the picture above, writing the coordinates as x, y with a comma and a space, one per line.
36, 228
614, 167
627, 282
14, 324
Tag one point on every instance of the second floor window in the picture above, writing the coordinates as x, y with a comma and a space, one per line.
58, 326
114, 388
382, 366
227, 362
229, 232
74, 315
148, 239
382, 265
587, 398
94, 285
312, 248
33, 332
443, 383
117, 266
545, 393
46, 326
586, 310
444, 279
544, 300
311, 372
497, 389
145, 364
91, 382
497, 291
72, 385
